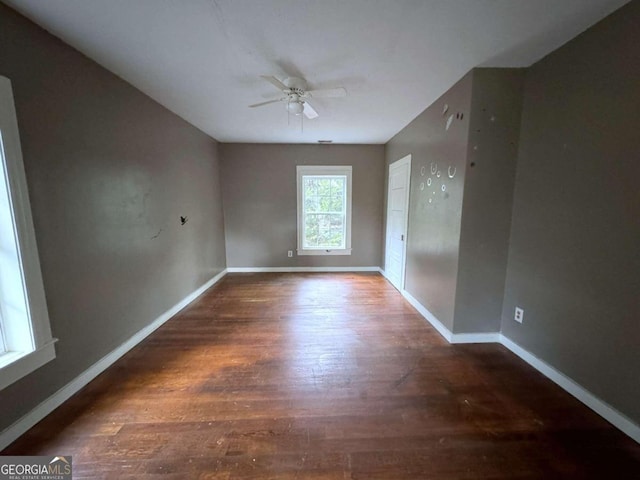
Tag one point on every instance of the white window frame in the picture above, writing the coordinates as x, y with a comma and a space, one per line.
28, 343
315, 170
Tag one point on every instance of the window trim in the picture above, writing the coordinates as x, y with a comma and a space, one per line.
15, 363
308, 170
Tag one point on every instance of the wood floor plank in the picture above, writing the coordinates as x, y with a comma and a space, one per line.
323, 376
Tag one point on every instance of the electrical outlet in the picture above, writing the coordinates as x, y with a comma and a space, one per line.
519, 316
290, 253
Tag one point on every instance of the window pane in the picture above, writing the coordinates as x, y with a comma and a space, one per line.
310, 187
337, 186
336, 204
336, 238
324, 222
325, 204
323, 230
336, 221
311, 231
324, 185
311, 204
323, 238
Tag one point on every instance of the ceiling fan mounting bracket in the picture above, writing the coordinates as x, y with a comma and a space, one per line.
295, 83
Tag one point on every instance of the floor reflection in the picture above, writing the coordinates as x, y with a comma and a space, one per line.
322, 344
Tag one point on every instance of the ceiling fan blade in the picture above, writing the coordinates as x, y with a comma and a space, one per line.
267, 102
309, 111
275, 82
328, 93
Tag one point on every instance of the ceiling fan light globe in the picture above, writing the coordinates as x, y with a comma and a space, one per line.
295, 108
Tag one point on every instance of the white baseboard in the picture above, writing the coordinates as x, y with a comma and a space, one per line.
490, 337
613, 416
602, 408
430, 317
10, 434
301, 269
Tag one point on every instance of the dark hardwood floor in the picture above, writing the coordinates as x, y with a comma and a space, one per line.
323, 376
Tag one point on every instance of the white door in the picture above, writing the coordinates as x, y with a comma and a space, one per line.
397, 215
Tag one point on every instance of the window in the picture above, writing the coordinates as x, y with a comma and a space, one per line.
25, 334
324, 210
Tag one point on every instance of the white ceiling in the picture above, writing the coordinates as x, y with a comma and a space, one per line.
201, 58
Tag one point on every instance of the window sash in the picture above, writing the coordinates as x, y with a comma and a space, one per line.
325, 214
26, 331
332, 199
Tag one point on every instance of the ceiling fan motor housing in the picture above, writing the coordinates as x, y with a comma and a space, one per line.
295, 84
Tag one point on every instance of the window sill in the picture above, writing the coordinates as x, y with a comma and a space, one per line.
339, 251
15, 365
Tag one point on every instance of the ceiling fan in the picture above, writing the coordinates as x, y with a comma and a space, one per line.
297, 96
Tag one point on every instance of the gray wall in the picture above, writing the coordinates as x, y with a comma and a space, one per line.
488, 194
458, 238
259, 194
434, 228
574, 264
109, 174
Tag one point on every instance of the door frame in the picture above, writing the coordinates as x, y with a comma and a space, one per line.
402, 161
